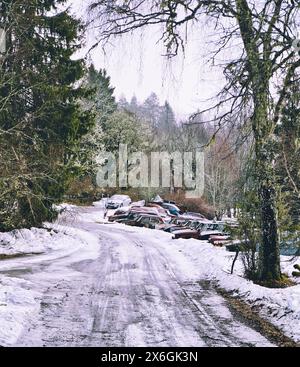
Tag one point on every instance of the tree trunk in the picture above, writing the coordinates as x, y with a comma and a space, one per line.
269, 268
269, 262
263, 129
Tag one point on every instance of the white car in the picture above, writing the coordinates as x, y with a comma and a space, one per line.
118, 201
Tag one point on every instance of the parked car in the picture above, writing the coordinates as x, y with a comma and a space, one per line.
144, 210
164, 213
191, 229
192, 214
186, 233
220, 240
125, 214
117, 217
118, 214
180, 222
134, 213
147, 221
131, 218
177, 222
202, 231
172, 208
212, 229
169, 202
175, 229
118, 201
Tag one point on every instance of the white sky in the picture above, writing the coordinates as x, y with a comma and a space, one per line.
136, 67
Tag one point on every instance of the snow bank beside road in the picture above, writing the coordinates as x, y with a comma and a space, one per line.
40, 240
30, 241
279, 306
19, 303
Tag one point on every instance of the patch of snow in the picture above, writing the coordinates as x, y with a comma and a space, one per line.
19, 302
134, 336
17, 305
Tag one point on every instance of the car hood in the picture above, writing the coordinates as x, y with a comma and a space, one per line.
218, 233
186, 230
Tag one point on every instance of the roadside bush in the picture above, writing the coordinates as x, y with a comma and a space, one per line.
192, 205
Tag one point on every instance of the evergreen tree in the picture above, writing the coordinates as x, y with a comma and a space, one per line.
134, 106
102, 103
167, 119
41, 121
103, 100
152, 111
124, 127
123, 103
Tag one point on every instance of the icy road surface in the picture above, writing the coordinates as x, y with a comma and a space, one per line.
135, 292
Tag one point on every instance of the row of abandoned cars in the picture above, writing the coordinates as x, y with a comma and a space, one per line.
166, 216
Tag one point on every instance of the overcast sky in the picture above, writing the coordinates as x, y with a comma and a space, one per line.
136, 67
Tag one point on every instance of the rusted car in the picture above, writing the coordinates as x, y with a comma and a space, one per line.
175, 222
220, 240
186, 233
203, 231
118, 214
147, 221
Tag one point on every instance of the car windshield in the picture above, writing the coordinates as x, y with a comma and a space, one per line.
180, 221
143, 219
132, 216
203, 226
195, 224
216, 227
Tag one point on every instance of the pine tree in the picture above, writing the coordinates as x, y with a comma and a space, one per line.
152, 111
102, 103
123, 104
103, 99
134, 106
41, 120
167, 119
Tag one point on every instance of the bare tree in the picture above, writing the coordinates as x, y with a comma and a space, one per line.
221, 174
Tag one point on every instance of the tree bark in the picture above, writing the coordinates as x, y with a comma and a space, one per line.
269, 261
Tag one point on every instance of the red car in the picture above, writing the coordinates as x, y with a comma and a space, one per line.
219, 240
187, 233
202, 232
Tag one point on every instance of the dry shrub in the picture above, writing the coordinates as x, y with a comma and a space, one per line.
192, 205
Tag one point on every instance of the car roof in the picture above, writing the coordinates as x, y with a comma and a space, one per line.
144, 209
120, 196
146, 215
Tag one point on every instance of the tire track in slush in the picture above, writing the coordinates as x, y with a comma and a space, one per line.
133, 294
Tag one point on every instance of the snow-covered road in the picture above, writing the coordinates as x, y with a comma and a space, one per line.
134, 292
